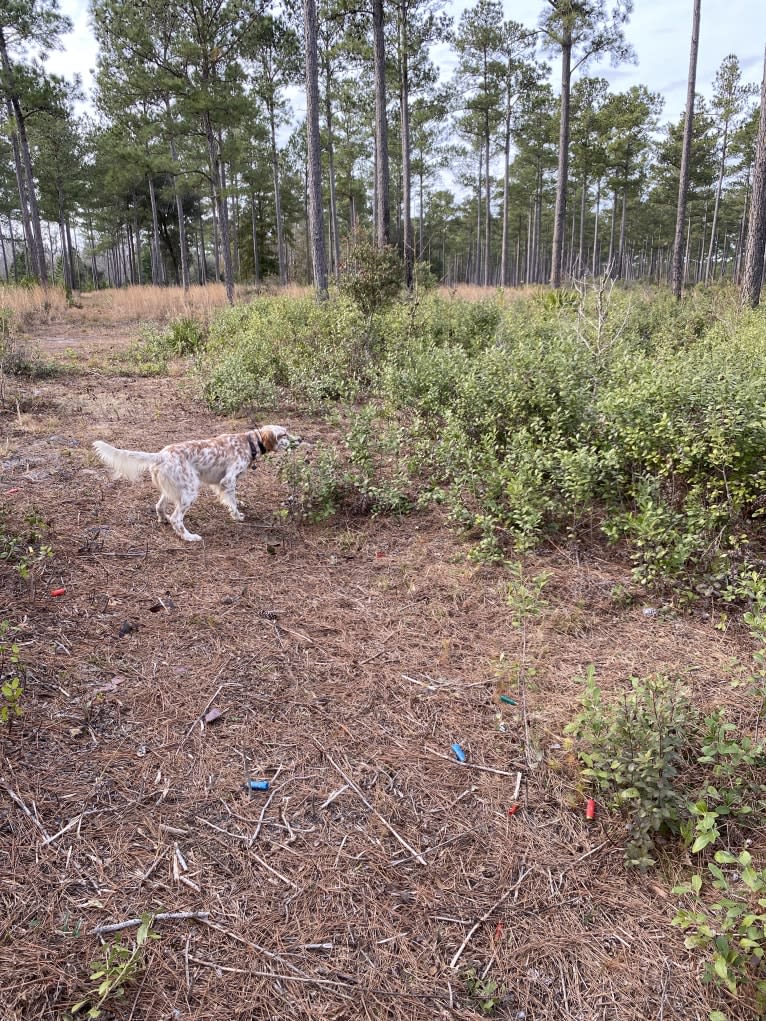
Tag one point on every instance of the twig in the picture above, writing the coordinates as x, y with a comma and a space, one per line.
207, 705
469, 765
485, 916
415, 854
335, 794
273, 975
166, 916
15, 797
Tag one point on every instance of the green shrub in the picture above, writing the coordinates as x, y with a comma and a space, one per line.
371, 276
667, 767
618, 409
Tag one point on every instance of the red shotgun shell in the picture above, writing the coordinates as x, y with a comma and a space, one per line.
590, 809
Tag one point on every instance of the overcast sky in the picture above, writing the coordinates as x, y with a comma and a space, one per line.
659, 31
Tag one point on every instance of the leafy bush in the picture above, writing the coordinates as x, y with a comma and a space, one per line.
370, 276
669, 769
621, 411
731, 930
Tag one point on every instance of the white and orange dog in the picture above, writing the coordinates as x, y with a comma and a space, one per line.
179, 469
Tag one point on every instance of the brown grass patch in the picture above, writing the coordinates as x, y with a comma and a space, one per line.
25, 305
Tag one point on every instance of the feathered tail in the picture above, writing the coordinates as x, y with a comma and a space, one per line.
126, 464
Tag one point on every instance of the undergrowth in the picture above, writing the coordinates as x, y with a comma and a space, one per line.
620, 413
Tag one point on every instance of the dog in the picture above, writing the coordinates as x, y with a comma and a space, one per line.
179, 469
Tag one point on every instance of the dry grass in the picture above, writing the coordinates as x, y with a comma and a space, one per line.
135, 304
31, 304
354, 647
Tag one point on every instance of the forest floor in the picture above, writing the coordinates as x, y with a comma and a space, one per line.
377, 877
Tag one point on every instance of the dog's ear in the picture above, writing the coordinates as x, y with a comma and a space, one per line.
269, 437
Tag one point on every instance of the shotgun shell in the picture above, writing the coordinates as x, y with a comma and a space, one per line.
513, 810
590, 809
508, 700
458, 752
57, 592
258, 785
10, 492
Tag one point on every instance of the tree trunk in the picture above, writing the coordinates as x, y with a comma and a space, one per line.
683, 183
314, 153
595, 267
22, 189
256, 259
183, 244
621, 249
214, 161
717, 204
277, 197
752, 277
203, 274
157, 275
382, 206
12, 99
404, 105
581, 239
559, 216
487, 209
331, 169
504, 275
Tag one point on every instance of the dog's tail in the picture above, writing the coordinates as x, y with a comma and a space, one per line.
126, 464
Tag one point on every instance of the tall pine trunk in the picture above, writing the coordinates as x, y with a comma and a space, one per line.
314, 164
752, 276
559, 215
382, 205
277, 197
157, 275
214, 160
683, 183
331, 169
404, 101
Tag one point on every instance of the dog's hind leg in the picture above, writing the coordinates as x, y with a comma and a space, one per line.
181, 492
162, 508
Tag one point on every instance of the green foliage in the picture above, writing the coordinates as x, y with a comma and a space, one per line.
184, 336
370, 480
667, 767
26, 550
150, 356
525, 594
484, 990
317, 351
731, 930
616, 410
633, 751
370, 276
120, 965
11, 672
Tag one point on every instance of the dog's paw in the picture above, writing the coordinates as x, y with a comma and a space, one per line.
238, 516
193, 537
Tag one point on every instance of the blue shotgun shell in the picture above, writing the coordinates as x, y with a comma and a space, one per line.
258, 785
459, 753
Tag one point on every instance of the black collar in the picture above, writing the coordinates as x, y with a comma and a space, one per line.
255, 451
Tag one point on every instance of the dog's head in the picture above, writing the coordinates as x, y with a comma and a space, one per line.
277, 438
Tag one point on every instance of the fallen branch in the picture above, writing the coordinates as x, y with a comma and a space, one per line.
166, 916
408, 847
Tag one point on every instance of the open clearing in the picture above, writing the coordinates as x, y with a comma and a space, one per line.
345, 659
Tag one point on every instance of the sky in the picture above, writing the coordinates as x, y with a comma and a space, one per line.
659, 31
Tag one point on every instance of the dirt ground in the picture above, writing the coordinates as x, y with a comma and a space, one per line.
377, 877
